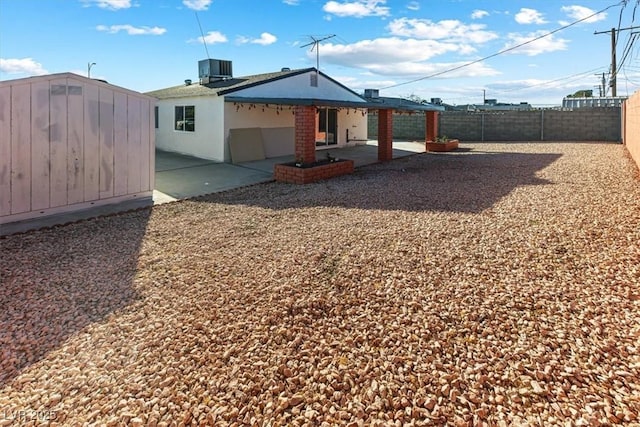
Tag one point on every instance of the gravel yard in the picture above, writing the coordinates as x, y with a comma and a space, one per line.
497, 285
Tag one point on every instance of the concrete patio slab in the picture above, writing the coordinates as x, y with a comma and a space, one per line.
179, 176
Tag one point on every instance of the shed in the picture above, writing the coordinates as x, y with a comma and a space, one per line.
69, 143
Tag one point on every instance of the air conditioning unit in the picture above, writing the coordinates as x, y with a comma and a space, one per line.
371, 93
214, 69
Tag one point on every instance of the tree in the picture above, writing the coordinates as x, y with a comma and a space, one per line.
584, 93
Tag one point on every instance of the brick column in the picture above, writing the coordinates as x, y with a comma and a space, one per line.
431, 125
385, 135
305, 132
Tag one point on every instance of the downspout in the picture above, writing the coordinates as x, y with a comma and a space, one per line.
542, 124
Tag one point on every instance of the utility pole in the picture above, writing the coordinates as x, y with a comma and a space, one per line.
601, 86
614, 72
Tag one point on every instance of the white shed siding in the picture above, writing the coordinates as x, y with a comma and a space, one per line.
300, 87
208, 139
69, 143
5, 150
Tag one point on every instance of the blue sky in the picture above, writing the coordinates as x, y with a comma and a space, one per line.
392, 45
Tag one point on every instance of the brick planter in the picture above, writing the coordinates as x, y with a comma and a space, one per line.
450, 145
289, 172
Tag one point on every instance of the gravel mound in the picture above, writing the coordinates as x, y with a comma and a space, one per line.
497, 285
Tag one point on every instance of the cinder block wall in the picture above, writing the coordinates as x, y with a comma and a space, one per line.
632, 126
588, 124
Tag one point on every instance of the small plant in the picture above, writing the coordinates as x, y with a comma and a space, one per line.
442, 139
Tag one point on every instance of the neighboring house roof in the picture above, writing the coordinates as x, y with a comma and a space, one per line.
227, 88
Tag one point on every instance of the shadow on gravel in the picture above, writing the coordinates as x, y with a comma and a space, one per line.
55, 282
454, 182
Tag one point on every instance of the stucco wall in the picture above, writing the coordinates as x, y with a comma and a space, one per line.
589, 124
207, 141
632, 126
300, 86
273, 119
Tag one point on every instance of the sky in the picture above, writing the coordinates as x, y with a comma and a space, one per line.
461, 51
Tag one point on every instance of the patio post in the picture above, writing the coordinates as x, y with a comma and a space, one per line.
305, 133
385, 135
431, 125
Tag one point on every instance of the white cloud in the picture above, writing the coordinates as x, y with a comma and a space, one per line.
529, 16
131, 30
393, 50
197, 4
452, 30
212, 37
543, 45
265, 39
109, 4
291, 2
414, 69
400, 57
22, 66
413, 5
479, 14
357, 8
580, 12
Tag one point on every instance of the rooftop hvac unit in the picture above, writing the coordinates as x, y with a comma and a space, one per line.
371, 93
214, 69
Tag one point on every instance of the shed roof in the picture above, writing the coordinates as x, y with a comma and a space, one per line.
68, 75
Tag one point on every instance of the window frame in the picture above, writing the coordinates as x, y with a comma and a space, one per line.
184, 118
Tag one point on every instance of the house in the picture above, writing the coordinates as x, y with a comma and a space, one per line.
69, 143
238, 119
593, 102
492, 105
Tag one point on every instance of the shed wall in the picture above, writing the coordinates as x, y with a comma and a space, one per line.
69, 143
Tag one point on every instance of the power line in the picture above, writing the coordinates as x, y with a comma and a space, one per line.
505, 50
582, 74
614, 62
567, 79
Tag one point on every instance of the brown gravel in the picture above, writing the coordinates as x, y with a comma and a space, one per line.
497, 285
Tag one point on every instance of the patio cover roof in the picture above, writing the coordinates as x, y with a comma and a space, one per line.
397, 104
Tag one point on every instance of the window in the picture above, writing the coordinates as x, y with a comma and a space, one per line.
155, 115
185, 118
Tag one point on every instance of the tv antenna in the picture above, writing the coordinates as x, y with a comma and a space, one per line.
315, 44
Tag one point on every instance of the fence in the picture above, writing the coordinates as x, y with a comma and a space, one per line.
632, 126
587, 124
